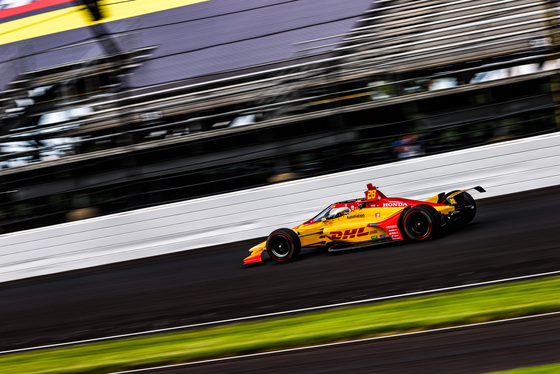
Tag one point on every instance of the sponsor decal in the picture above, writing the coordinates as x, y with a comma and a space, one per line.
377, 215
382, 236
356, 216
351, 234
374, 237
394, 232
392, 204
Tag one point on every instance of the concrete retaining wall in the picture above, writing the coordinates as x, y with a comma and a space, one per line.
502, 168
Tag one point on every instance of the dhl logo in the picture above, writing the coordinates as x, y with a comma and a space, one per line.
350, 234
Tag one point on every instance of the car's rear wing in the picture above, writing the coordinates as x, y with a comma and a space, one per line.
477, 188
440, 197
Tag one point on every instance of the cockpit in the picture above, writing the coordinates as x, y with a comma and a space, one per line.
331, 212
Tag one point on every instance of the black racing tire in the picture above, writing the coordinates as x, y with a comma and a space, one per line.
469, 214
283, 245
421, 222
463, 200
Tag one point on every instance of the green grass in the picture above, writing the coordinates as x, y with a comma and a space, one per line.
544, 369
413, 314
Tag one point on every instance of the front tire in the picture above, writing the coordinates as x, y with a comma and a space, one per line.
283, 245
421, 222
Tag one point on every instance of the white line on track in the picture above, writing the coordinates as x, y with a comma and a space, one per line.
384, 337
275, 314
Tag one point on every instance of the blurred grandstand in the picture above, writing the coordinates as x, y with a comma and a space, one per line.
155, 105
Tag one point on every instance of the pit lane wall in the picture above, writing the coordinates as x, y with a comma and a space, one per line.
501, 168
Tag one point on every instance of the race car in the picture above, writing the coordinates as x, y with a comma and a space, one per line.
371, 220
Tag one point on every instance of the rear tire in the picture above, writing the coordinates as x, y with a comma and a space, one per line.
421, 222
283, 245
469, 213
463, 200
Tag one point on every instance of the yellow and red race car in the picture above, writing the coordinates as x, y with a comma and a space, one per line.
371, 220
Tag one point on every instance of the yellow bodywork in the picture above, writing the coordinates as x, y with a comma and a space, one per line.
356, 227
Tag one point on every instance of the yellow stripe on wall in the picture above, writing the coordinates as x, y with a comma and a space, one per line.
78, 17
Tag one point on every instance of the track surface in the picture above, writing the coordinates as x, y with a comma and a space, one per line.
511, 236
507, 345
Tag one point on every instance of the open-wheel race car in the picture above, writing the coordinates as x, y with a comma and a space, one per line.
374, 219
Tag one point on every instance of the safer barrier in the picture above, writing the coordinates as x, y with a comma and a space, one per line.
501, 168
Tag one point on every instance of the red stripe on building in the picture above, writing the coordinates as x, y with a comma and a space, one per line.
30, 7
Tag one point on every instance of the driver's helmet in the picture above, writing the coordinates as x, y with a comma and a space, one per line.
338, 212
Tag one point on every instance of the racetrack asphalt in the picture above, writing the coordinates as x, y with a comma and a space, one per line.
512, 235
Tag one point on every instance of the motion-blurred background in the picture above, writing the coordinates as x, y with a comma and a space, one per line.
111, 106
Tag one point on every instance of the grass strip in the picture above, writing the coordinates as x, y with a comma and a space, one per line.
543, 369
397, 316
